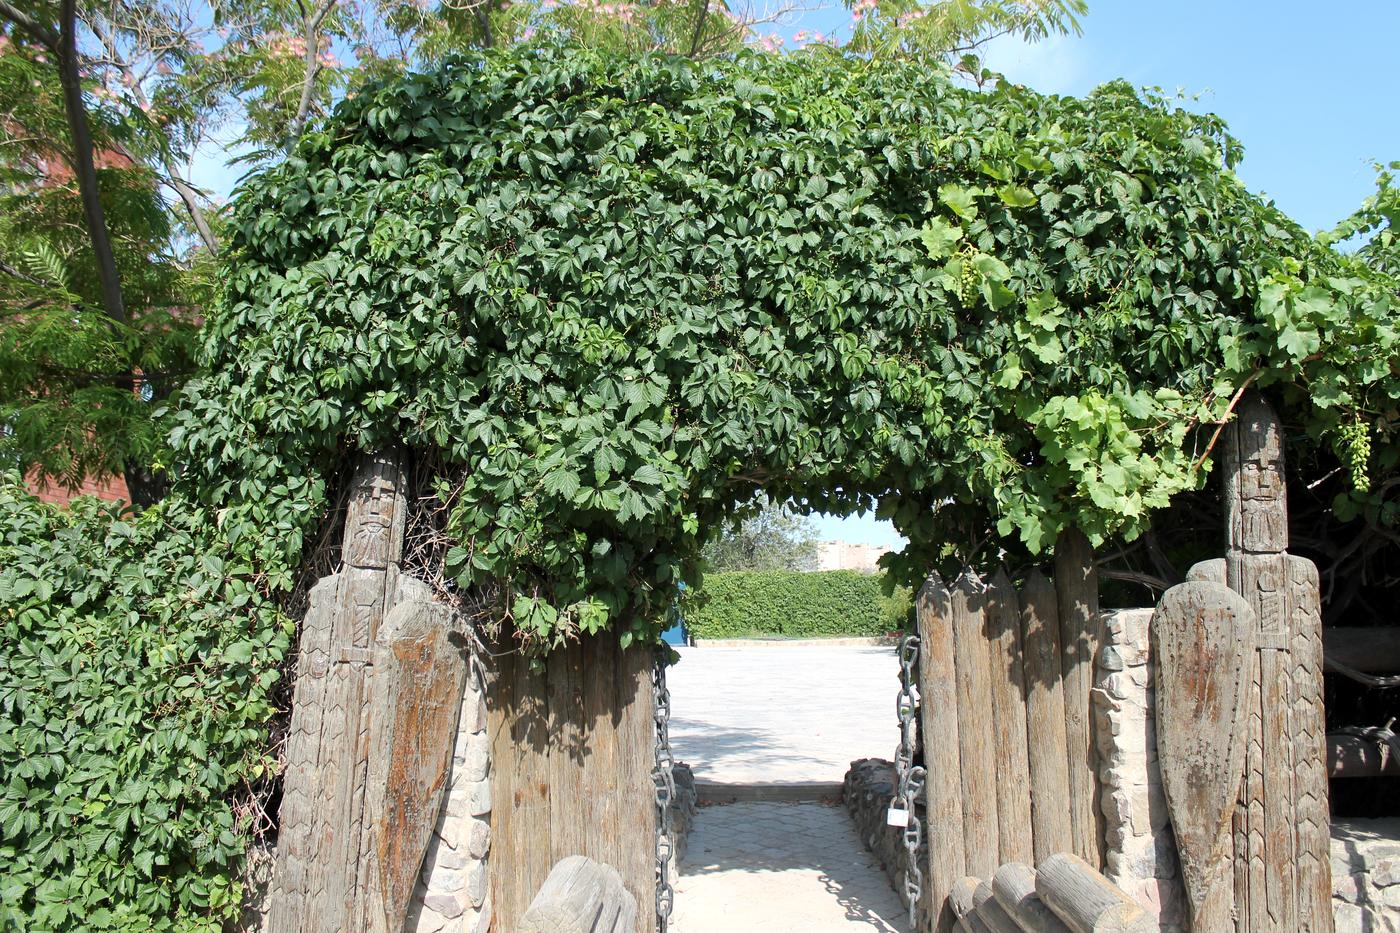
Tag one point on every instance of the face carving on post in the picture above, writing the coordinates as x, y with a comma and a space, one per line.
1261, 522
369, 533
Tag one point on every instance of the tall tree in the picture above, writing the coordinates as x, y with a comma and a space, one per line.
768, 537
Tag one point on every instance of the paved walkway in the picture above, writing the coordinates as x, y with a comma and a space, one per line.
803, 713
781, 868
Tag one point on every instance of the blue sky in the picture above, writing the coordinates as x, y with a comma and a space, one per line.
1311, 89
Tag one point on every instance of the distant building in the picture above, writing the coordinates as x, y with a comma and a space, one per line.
843, 555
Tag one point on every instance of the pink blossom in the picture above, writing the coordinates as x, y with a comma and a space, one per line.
770, 43
145, 105
41, 58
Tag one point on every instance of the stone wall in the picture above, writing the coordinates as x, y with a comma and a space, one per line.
1140, 850
453, 895
867, 791
1366, 875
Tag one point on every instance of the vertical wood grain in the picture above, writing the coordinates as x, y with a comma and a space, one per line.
938, 705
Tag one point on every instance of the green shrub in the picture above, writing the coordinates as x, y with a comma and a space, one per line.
135, 675
796, 605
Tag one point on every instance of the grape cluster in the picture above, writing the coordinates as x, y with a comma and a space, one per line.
1356, 444
969, 281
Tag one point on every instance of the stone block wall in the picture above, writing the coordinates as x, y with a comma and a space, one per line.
1366, 875
1140, 850
453, 895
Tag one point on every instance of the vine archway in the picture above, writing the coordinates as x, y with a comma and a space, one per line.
614, 296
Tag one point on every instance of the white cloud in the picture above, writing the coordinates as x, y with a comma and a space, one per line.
1057, 65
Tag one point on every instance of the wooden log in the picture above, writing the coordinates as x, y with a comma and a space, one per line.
992, 915
1008, 684
1014, 888
1086, 901
1203, 646
1374, 650
602, 808
636, 743
938, 707
976, 738
602, 768
521, 853
1350, 756
962, 903
580, 896
564, 687
1045, 718
1208, 571
1282, 820
1077, 586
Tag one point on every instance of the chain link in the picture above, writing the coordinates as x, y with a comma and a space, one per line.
664, 780
911, 776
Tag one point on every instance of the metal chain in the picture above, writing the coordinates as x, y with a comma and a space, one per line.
665, 783
911, 776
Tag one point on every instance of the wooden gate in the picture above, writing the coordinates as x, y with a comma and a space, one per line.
572, 748
1005, 684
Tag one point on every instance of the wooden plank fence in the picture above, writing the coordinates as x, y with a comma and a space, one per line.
1005, 682
572, 750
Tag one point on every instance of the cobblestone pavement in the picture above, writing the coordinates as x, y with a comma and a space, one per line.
781, 868
802, 713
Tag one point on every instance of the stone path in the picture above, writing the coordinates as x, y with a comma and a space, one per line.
789, 714
781, 868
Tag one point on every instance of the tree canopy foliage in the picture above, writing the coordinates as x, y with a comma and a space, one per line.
107, 246
620, 293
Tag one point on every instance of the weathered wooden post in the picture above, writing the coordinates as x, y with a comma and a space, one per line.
1077, 584
938, 694
977, 743
378, 691
1009, 717
573, 745
1203, 646
1282, 867
1045, 718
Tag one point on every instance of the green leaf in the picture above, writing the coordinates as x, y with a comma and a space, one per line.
940, 238
1016, 196
961, 200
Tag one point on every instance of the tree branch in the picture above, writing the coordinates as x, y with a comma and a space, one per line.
187, 194
83, 168
699, 27
39, 31
311, 33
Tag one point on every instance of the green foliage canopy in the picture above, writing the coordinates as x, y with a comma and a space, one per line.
783, 603
620, 293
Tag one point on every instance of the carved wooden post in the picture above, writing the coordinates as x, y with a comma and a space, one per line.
1282, 868
375, 712
1203, 646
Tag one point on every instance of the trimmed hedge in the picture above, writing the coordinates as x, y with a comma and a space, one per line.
790, 604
